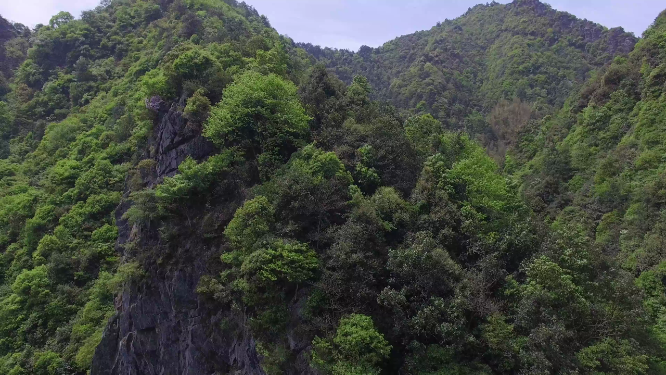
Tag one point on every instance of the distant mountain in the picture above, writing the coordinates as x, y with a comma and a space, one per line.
524, 49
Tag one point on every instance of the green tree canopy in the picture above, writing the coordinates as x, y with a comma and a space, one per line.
262, 114
357, 348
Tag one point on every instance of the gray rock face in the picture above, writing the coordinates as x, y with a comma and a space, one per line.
620, 42
175, 139
162, 325
163, 328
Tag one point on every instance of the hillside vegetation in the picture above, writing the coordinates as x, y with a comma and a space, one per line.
185, 191
460, 70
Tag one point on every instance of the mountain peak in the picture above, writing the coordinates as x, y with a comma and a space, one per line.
537, 5
527, 3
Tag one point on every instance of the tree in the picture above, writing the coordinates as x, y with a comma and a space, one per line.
422, 276
280, 263
357, 348
322, 94
310, 192
251, 222
5, 120
423, 133
612, 356
60, 19
507, 120
5, 129
197, 108
263, 116
358, 98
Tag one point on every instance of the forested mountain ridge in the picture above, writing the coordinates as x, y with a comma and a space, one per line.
461, 69
522, 49
184, 191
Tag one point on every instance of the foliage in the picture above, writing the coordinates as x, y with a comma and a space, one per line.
261, 115
356, 348
194, 180
423, 132
251, 222
465, 66
281, 262
613, 357
197, 107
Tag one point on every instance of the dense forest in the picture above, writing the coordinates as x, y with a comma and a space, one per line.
185, 191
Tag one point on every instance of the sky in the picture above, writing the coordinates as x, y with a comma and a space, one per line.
352, 23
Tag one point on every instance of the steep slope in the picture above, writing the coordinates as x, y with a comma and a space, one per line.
14, 40
599, 161
596, 167
78, 123
7, 32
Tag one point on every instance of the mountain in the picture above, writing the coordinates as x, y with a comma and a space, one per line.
462, 69
77, 123
598, 160
185, 191
522, 49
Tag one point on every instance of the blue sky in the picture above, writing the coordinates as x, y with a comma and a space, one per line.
352, 23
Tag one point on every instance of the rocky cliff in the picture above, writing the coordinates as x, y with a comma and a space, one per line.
162, 325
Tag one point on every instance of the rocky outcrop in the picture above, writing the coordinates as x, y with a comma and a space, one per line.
619, 41
162, 325
175, 138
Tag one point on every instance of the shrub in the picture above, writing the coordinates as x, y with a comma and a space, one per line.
281, 262
356, 348
197, 108
194, 180
251, 222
